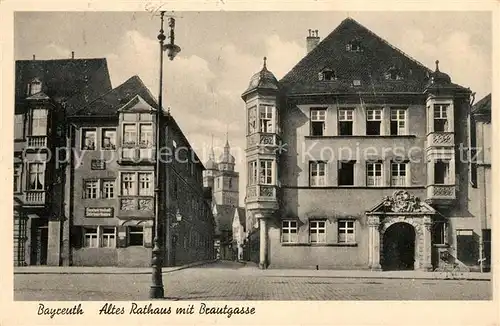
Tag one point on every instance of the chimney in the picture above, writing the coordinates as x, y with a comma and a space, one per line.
34, 57
72, 54
312, 40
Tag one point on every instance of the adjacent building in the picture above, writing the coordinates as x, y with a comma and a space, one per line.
46, 91
87, 197
354, 160
480, 176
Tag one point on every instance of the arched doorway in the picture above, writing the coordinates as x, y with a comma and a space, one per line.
399, 247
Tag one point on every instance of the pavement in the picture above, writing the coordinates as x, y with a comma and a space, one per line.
235, 281
252, 268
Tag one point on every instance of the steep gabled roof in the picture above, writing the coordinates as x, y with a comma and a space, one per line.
239, 213
73, 82
369, 65
109, 103
483, 106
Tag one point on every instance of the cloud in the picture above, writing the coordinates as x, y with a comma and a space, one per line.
56, 50
458, 56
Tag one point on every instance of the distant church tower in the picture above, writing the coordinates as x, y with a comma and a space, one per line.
222, 178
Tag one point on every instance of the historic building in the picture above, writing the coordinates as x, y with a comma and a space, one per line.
221, 177
45, 92
480, 180
354, 159
85, 169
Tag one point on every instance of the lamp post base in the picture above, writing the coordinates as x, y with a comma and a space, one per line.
156, 292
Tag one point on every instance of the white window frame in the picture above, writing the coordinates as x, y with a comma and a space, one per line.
39, 121
108, 237
398, 180
346, 115
266, 118
441, 113
318, 115
252, 120
375, 114
344, 236
85, 132
108, 188
289, 231
252, 173
315, 227
91, 185
91, 236
372, 169
145, 136
19, 126
317, 173
129, 137
399, 115
34, 87
40, 175
112, 142
131, 182
266, 172
447, 176
145, 183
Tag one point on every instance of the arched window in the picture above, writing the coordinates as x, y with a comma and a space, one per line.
327, 75
34, 87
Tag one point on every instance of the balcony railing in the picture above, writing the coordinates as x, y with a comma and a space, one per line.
444, 192
34, 197
137, 154
263, 139
134, 203
441, 139
37, 141
261, 192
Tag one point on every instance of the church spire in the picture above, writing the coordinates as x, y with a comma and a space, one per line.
211, 156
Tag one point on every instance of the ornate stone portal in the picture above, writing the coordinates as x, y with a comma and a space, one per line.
402, 207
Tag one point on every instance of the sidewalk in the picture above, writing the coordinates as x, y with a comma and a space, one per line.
100, 270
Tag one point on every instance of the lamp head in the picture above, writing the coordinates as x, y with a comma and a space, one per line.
172, 50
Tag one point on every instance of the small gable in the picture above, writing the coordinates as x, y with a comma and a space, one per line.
402, 201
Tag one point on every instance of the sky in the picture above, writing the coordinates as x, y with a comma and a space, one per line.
221, 50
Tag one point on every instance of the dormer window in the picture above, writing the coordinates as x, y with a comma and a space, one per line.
34, 87
354, 46
393, 73
327, 75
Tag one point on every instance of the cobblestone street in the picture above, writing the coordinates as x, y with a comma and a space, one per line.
232, 281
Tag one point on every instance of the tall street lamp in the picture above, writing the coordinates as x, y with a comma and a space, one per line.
156, 291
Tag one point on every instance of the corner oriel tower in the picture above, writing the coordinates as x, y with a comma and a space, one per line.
261, 98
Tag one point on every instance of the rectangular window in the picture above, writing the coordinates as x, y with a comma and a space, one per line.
135, 236
345, 122
17, 177
146, 135
374, 174
129, 134
19, 126
398, 121
90, 235
317, 174
266, 118
318, 122
441, 171
398, 174
108, 189
252, 172
440, 118
108, 238
145, 184
346, 231
289, 232
317, 231
108, 139
266, 172
36, 176
89, 139
39, 122
346, 173
128, 184
373, 121
91, 188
